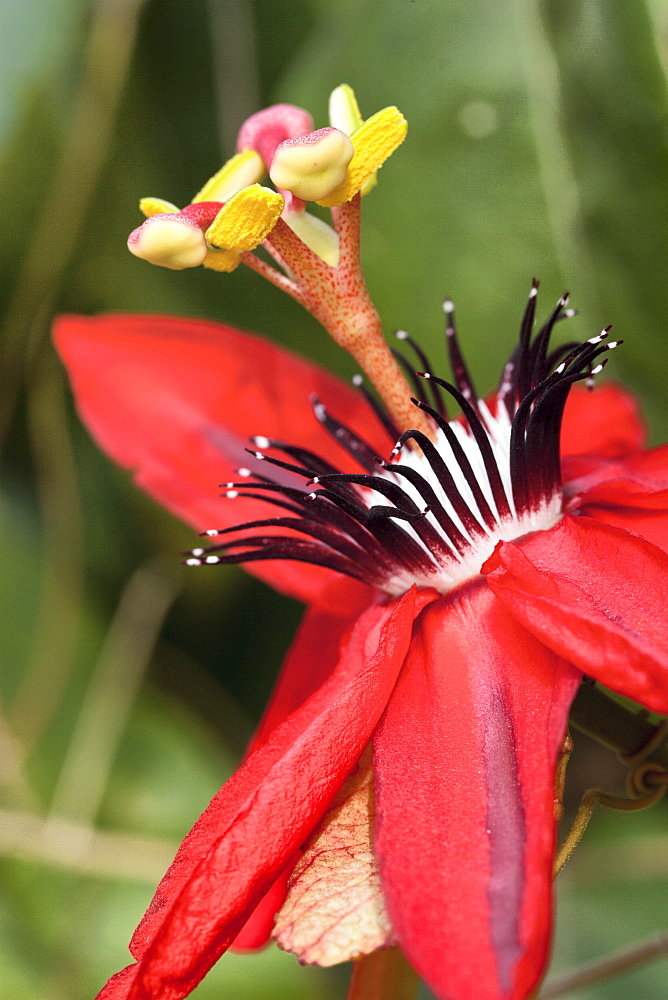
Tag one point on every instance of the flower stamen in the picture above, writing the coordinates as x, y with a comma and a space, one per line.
433, 511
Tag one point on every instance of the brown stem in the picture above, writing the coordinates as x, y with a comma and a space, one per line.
560, 777
606, 968
383, 975
646, 783
638, 741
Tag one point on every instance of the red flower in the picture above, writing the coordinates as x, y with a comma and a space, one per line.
483, 592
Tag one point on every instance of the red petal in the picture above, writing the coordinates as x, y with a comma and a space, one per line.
651, 524
265, 811
256, 932
625, 493
596, 595
312, 657
605, 421
464, 760
176, 401
644, 472
631, 494
315, 652
119, 985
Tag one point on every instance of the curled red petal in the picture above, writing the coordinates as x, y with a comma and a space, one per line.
595, 594
176, 401
605, 421
464, 761
263, 813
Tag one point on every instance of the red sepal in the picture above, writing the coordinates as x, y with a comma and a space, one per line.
464, 761
594, 594
262, 814
176, 401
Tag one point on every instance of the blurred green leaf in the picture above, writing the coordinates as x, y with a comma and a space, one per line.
615, 119
39, 39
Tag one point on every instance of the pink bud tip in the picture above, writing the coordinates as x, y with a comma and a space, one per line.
266, 129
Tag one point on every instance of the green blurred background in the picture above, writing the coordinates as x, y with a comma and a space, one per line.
537, 146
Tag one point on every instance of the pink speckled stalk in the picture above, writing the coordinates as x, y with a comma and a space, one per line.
339, 299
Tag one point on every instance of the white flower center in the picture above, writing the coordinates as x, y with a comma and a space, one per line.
459, 566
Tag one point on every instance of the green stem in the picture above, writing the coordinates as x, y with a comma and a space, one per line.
383, 975
619, 728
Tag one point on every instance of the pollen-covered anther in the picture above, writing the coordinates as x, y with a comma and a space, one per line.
373, 142
169, 240
246, 219
156, 206
240, 171
312, 166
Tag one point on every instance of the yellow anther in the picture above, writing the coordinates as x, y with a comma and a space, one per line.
156, 206
344, 112
373, 142
313, 165
246, 219
242, 170
222, 260
317, 235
